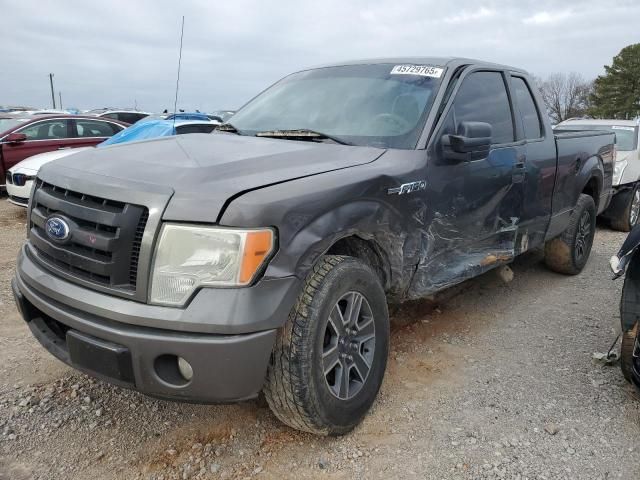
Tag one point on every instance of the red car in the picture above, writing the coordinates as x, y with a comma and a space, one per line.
22, 137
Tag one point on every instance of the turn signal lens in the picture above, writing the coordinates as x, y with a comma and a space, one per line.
257, 246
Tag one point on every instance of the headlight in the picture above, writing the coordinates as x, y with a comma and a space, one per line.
188, 257
618, 170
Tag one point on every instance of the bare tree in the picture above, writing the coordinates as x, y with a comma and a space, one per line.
565, 95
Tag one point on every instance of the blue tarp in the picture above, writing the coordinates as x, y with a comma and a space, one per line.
142, 131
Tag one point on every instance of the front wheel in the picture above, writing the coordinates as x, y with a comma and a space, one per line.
626, 210
569, 252
329, 359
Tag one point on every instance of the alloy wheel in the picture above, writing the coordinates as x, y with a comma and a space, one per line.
348, 345
583, 235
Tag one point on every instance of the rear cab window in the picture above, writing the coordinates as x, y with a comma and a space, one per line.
526, 106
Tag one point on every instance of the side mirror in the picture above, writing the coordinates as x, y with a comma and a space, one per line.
16, 138
472, 143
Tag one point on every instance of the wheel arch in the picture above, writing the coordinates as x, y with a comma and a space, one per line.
590, 179
593, 187
365, 229
367, 249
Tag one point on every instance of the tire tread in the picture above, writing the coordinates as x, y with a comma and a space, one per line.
558, 252
284, 391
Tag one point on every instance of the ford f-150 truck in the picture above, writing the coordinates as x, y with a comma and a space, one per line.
262, 257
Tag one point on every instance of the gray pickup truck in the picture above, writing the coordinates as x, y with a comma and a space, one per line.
262, 257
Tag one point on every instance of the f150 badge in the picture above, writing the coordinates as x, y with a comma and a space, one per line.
408, 188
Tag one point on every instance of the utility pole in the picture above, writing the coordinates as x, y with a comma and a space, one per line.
60, 97
53, 95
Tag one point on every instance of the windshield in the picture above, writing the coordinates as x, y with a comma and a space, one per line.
358, 104
626, 135
9, 123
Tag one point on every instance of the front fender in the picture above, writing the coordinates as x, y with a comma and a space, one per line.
369, 220
313, 213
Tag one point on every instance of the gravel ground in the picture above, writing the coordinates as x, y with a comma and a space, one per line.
497, 381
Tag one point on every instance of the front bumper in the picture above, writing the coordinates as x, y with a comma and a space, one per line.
226, 366
618, 201
18, 201
19, 194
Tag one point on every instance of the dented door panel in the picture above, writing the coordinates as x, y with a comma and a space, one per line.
476, 228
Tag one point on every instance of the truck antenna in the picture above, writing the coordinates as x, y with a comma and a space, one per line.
175, 103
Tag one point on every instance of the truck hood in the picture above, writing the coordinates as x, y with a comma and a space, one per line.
204, 171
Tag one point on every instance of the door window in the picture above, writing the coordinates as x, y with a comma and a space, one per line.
527, 107
483, 98
49, 130
130, 117
182, 129
95, 128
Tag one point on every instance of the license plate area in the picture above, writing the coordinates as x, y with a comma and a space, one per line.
100, 357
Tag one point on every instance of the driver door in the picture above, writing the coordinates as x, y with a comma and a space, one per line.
476, 203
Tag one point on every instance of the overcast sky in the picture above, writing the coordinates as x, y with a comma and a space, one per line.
117, 53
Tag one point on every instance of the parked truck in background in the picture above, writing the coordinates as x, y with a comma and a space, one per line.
263, 256
624, 210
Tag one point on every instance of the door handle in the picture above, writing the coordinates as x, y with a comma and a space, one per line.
519, 172
64, 148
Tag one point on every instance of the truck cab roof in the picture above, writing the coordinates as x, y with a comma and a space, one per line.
452, 62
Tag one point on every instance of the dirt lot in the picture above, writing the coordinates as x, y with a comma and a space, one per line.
496, 382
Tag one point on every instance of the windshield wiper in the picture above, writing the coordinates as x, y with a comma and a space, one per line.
227, 127
301, 134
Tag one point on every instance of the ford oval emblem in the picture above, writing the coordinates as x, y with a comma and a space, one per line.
57, 229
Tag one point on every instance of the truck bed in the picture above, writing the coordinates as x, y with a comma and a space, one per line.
578, 152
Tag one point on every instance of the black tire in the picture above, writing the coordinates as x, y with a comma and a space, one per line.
569, 252
631, 374
297, 388
625, 213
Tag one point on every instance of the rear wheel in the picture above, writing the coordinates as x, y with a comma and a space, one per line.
629, 355
569, 252
329, 359
627, 210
